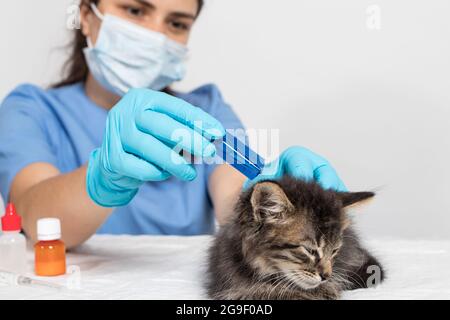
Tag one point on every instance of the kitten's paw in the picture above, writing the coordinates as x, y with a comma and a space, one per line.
329, 292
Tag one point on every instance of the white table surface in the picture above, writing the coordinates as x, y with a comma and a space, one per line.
171, 267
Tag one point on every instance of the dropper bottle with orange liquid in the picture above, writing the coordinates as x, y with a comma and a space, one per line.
50, 251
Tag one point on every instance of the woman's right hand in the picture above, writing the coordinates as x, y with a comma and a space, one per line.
141, 131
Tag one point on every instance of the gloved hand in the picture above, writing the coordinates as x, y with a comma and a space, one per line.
137, 147
301, 163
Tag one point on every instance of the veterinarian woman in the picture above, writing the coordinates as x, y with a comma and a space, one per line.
96, 151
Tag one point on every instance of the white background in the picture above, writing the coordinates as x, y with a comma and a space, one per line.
375, 103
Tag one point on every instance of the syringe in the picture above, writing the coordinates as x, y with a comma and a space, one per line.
21, 280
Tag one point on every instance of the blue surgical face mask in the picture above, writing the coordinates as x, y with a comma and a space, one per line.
127, 56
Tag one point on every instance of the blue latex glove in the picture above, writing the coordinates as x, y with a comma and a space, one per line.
301, 163
138, 145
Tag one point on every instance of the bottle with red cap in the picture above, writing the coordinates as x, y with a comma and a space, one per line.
12, 242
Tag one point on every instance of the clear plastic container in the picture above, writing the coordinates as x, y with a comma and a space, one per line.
13, 249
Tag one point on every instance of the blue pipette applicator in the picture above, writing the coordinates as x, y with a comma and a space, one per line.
239, 155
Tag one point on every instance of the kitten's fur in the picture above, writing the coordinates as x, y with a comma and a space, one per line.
289, 239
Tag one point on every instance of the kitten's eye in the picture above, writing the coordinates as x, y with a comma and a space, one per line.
309, 250
284, 246
335, 251
290, 246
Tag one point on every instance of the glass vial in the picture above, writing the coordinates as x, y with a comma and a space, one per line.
50, 251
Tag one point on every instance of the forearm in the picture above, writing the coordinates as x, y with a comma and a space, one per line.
225, 187
62, 196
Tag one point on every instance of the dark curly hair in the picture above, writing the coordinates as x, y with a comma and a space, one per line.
75, 68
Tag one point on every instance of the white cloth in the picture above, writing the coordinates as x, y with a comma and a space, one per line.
159, 267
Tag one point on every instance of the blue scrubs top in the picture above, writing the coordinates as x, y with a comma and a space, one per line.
62, 126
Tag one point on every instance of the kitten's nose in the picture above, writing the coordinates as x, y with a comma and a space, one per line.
325, 270
324, 276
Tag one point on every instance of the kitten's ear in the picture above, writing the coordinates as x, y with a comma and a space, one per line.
269, 202
351, 199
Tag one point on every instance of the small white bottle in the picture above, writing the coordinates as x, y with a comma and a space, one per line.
13, 249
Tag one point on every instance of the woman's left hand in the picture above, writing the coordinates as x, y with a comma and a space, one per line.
301, 163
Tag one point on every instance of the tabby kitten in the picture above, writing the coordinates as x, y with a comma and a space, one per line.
290, 239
